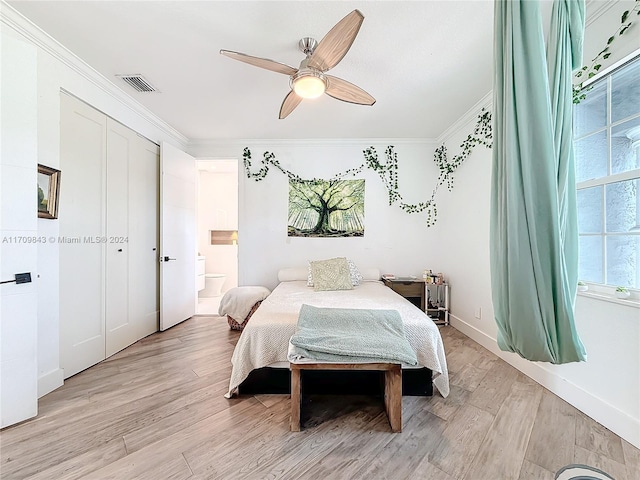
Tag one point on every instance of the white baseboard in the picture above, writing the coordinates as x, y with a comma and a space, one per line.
602, 412
50, 381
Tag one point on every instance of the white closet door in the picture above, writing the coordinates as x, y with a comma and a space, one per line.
121, 330
144, 211
81, 219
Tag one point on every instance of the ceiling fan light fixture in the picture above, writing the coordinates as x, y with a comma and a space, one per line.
308, 84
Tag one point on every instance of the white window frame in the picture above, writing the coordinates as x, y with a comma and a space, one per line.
607, 291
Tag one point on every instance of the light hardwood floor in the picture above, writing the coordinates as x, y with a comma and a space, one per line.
156, 411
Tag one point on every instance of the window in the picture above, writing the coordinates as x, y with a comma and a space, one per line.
607, 147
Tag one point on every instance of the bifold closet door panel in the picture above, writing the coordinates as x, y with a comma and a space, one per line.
81, 230
121, 330
144, 212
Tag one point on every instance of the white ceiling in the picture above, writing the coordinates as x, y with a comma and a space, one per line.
425, 62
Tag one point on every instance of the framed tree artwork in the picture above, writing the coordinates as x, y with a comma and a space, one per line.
326, 208
48, 191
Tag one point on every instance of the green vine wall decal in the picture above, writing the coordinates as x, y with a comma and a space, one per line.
590, 71
388, 170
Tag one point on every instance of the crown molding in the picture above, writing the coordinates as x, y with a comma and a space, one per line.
29, 30
596, 8
466, 118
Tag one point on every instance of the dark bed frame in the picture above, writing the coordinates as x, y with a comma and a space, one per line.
266, 380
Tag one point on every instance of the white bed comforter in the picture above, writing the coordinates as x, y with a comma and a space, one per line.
265, 339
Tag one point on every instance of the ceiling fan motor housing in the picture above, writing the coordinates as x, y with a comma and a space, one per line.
307, 45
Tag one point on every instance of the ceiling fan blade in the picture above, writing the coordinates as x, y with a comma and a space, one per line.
260, 62
335, 44
290, 102
347, 92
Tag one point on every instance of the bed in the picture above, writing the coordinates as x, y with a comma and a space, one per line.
265, 340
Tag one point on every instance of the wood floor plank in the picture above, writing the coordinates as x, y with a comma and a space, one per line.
137, 462
446, 408
156, 410
188, 410
402, 455
494, 388
297, 451
85, 464
210, 457
552, 452
502, 452
531, 471
461, 440
145, 394
426, 470
354, 450
172, 467
631, 459
269, 400
614, 469
592, 436
306, 451
469, 377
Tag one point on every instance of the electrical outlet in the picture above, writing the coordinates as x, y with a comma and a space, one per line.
23, 277
478, 313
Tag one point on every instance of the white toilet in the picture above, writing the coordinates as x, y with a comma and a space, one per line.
213, 283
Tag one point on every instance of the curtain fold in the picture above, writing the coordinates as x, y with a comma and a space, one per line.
533, 206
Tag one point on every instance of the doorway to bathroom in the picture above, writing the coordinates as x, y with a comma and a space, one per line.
217, 232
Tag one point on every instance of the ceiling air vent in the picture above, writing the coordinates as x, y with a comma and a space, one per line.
138, 82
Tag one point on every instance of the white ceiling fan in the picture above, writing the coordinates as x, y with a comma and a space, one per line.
310, 79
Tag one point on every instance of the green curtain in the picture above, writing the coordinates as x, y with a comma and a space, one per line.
534, 243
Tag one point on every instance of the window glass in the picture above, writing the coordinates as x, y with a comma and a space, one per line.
591, 155
590, 210
623, 253
625, 146
590, 267
591, 113
622, 206
607, 157
625, 92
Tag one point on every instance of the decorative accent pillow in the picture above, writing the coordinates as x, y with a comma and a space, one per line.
354, 274
332, 274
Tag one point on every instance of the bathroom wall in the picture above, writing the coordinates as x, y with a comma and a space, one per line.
218, 210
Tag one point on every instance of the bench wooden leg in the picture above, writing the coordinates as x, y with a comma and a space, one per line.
393, 397
392, 389
296, 398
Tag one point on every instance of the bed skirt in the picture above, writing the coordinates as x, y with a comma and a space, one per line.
267, 380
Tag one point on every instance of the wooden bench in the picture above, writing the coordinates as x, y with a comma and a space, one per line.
392, 388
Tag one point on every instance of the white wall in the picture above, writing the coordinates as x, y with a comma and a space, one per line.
394, 241
607, 386
18, 229
56, 70
218, 210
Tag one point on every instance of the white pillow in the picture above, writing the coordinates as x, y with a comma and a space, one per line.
354, 274
292, 274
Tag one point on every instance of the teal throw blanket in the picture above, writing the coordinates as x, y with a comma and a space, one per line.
352, 335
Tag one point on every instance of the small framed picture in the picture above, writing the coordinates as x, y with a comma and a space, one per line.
48, 191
